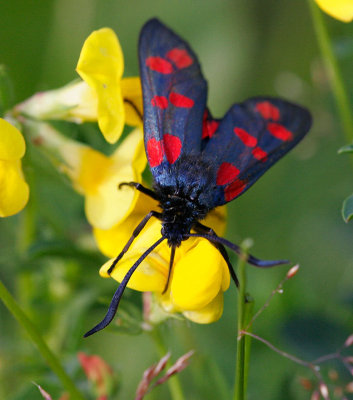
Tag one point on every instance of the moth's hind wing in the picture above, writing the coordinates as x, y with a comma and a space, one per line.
250, 138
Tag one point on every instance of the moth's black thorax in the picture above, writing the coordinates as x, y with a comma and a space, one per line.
185, 192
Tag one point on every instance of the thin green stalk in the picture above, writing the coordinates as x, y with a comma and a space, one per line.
248, 313
37, 339
245, 306
173, 382
340, 94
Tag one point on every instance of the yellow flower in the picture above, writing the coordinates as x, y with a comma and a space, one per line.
14, 191
95, 175
339, 9
101, 66
102, 96
199, 275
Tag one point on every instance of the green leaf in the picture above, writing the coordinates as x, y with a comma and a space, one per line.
347, 209
346, 149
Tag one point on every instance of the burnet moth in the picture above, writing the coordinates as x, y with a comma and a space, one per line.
197, 162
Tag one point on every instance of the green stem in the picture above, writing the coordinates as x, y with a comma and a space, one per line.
245, 306
37, 339
27, 230
338, 88
173, 382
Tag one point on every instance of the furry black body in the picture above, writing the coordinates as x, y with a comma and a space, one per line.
186, 201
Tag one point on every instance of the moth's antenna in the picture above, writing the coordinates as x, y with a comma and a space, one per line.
135, 233
250, 259
113, 307
171, 261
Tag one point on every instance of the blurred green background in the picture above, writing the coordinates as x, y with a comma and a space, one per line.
245, 48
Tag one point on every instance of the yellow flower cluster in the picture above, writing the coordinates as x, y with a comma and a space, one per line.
200, 275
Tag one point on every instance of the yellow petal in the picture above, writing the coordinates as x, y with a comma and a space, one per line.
151, 274
101, 65
12, 144
111, 241
210, 313
132, 95
217, 220
14, 191
93, 169
132, 150
197, 277
108, 204
225, 277
146, 278
339, 9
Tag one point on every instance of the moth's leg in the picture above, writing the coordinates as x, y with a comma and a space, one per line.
249, 258
135, 233
134, 106
140, 188
171, 261
205, 229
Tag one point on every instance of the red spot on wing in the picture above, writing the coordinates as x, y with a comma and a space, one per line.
179, 100
159, 101
172, 147
154, 152
226, 173
209, 128
234, 189
209, 125
268, 110
180, 57
159, 64
279, 131
245, 137
259, 154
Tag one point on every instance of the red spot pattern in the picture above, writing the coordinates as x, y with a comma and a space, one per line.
159, 64
154, 152
234, 189
268, 110
279, 131
179, 100
245, 137
259, 154
209, 126
226, 173
172, 147
180, 58
159, 101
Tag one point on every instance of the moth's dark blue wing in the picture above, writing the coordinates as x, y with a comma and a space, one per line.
250, 138
174, 97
